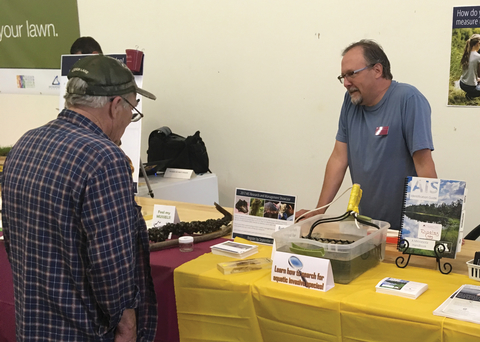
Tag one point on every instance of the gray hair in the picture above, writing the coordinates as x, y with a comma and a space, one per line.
373, 54
74, 97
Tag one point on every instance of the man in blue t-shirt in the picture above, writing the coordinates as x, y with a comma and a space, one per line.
384, 134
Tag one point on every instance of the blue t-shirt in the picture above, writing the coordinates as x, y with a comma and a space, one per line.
381, 141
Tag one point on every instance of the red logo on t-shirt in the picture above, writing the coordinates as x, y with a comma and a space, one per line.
382, 130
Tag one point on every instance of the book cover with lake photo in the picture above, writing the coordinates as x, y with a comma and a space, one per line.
433, 214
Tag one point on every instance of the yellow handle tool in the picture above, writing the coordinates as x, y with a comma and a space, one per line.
355, 197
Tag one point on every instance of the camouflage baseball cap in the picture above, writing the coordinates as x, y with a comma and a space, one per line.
105, 76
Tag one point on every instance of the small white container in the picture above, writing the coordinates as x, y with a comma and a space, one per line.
473, 270
185, 243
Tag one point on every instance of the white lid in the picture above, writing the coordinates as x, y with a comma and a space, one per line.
185, 239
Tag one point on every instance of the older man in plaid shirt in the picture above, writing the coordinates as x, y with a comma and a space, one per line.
75, 237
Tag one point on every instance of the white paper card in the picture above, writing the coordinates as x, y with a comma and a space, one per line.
421, 243
179, 173
429, 231
303, 271
163, 214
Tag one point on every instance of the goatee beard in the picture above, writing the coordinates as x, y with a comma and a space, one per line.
358, 99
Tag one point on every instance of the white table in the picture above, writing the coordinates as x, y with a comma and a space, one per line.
201, 189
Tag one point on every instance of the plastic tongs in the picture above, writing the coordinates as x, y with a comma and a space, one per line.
352, 210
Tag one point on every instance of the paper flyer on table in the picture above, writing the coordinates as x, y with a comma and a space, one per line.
463, 305
257, 214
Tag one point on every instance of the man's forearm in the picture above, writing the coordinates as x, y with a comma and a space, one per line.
334, 173
331, 183
424, 164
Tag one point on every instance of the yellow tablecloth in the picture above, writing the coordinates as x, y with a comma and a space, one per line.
250, 307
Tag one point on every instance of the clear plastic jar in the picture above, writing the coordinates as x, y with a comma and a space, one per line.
185, 243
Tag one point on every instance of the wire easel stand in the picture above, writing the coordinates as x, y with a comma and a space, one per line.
439, 249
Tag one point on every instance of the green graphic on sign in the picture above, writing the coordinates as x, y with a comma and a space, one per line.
34, 34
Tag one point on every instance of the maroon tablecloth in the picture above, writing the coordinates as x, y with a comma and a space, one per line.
163, 264
7, 306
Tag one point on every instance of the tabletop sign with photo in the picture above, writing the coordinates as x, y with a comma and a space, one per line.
256, 214
302, 270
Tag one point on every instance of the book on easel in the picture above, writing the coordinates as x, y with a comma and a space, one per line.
433, 215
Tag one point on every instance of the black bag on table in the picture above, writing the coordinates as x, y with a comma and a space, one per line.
170, 150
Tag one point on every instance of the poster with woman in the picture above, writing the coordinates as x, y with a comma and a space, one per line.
464, 82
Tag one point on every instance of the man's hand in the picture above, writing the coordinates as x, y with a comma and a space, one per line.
127, 328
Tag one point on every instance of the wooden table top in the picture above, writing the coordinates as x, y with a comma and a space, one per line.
186, 211
198, 212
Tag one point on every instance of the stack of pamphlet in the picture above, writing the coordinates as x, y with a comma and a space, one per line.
234, 249
402, 288
463, 305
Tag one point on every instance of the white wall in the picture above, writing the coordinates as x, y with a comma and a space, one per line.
258, 79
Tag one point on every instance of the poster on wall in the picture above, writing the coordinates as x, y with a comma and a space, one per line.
33, 36
464, 86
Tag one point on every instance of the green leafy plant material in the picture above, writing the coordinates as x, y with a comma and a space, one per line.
317, 252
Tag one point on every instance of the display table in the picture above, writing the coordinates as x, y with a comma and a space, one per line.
202, 189
162, 263
250, 307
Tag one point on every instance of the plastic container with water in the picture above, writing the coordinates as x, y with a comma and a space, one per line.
351, 250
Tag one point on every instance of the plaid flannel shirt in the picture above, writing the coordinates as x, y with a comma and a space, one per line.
75, 237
